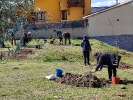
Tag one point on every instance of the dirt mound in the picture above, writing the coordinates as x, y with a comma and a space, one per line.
86, 80
125, 54
21, 54
123, 65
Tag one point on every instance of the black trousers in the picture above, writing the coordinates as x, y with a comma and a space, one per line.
111, 70
68, 40
86, 55
61, 39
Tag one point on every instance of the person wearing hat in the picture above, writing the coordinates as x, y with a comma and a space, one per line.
86, 49
29, 36
108, 59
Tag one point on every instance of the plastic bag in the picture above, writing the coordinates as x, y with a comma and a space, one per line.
50, 77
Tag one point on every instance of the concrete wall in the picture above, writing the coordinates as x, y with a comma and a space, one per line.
124, 41
75, 33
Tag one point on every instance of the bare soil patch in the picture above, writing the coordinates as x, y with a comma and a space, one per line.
126, 54
123, 65
21, 54
86, 80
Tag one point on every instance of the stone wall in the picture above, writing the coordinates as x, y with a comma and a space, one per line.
124, 41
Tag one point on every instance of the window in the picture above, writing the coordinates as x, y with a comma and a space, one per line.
64, 14
74, 3
38, 16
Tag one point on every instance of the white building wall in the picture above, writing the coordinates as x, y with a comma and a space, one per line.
99, 23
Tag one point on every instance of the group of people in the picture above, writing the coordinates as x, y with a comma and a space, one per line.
26, 37
61, 36
109, 59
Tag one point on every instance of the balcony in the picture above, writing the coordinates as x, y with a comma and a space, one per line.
76, 3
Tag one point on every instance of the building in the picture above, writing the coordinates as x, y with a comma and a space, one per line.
59, 10
114, 24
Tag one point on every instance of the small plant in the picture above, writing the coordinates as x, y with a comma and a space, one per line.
63, 58
39, 43
47, 59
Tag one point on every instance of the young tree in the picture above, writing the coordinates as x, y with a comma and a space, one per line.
13, 12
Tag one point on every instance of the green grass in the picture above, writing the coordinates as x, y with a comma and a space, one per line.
25, 79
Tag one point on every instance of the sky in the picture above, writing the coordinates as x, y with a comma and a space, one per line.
99, 3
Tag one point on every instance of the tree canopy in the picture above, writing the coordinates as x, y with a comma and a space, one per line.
12, 12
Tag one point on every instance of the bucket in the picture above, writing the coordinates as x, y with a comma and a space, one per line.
115, 80
45, 41
59, 72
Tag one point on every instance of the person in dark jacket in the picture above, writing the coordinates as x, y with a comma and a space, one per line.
86, 49
109, 59
66, 36
25, 39
59, 35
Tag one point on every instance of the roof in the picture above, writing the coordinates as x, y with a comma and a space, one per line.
102, 11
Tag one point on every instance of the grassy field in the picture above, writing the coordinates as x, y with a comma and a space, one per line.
25, 79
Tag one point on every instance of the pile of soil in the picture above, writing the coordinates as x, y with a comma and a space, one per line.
86, 80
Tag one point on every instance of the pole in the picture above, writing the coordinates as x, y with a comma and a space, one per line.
116, 2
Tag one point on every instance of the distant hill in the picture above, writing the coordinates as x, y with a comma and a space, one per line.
95, 9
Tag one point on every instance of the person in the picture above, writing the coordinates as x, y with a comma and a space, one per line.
86, 49
66, 36
29, 36
25, 39
12, 36
2, 44
59, 35
109, 59
52, 41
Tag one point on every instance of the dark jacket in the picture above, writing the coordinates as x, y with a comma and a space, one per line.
85, 44
107, 59
59, 33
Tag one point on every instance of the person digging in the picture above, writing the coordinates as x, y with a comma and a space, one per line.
109, 59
